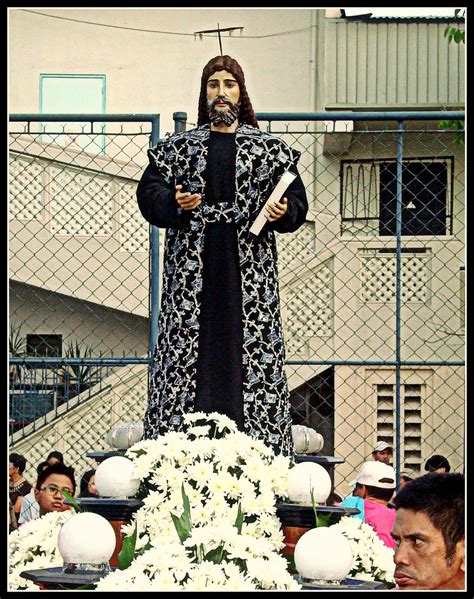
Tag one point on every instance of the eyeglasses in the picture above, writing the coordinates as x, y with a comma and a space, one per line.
53, 489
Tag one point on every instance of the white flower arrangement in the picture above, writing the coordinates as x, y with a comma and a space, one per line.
372, 559
34, 546
228, 536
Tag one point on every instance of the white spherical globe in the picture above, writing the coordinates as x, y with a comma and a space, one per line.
323, 554
124, 436
86, 538
114, 478
305, 439
306, 476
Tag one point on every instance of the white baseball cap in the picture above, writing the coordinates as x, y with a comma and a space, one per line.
375, 474
381, 445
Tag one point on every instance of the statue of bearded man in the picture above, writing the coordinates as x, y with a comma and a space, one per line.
220, 343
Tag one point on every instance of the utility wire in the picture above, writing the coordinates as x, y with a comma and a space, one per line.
35, 12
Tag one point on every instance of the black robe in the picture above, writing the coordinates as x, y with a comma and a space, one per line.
210, 371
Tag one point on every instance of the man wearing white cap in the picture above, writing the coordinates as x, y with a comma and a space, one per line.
383, 452
374, 487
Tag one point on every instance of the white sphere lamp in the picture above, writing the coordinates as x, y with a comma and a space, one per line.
306, 476
86, 542
125, 435
306, 440
114, 478
323, 554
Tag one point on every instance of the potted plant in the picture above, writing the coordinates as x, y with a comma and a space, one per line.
78, 377
17, 349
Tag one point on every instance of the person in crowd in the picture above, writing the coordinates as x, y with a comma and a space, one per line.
374, 487
54, 457
429, 533
30, 507
404, 480
51, 481
87, 485
334, 499
19, 486
437, 463
382, 452
12, 522
220, 343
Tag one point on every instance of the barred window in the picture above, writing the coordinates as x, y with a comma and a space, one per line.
369, 191
47, 345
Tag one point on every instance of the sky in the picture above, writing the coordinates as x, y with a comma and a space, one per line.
403, 12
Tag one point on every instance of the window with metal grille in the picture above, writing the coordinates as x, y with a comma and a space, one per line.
369, 191
411, 422
46, 345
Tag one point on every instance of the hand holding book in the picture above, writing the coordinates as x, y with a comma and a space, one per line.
274, 198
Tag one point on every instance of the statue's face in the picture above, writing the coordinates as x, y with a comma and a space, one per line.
223, 94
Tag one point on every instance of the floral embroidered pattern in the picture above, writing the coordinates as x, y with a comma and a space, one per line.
261, 160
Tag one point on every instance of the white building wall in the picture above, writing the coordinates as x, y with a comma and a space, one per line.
108, 331
158, 71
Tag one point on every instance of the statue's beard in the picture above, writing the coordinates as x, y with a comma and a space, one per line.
223, 116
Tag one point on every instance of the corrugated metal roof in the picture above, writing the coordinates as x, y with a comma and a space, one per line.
424, 18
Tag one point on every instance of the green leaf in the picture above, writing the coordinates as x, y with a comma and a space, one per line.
183, 523
291, 562
71, 499
239, 520
183, 531
139, 452
83, 587
216, 555
127, 553
186, 515
323, 519
313, 503
458, 36
187, 507
241, 564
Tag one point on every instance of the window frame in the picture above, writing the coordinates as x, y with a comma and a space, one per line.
376, 162
103, 78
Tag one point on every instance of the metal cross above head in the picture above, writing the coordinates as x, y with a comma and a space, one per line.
218, 31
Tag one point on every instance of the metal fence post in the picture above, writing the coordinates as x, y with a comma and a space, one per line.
154, 259
180, 119
398, 234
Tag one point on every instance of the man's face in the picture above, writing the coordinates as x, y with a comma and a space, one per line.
420, 557
384, 456
223, 94
49, 497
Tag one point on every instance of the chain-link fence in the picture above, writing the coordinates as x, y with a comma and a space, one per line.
372, 285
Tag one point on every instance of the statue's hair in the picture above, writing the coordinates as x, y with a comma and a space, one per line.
226, 63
